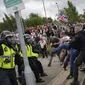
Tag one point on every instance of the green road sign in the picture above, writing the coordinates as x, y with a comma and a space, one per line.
11, 3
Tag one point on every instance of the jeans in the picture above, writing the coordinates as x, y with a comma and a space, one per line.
59, 48
79, 60
73, 54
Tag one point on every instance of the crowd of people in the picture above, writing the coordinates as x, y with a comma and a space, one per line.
72, 44
67, 42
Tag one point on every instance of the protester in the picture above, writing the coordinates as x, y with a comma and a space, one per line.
78, 42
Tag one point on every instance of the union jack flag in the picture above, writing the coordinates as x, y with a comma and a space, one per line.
62, 17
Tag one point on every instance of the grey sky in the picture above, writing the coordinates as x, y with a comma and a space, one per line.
36, 6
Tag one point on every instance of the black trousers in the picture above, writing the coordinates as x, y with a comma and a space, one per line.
39, 65
20, 67
33, 67
8, 77
77, 63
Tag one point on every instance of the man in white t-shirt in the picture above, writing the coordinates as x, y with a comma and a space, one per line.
64, 38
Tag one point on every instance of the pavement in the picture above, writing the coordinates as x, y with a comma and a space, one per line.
52, 71
81, 77
61, 78
56, 74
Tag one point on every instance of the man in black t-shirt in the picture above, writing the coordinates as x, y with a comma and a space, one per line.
54, 43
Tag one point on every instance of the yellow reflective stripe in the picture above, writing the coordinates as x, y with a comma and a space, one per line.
1, 61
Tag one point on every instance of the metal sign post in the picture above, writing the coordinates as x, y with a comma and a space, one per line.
28, 73
15, 6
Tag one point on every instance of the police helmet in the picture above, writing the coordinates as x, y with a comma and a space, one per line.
5, 34
28, 38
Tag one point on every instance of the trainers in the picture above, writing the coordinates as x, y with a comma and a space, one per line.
69, 77
39, 80
75, 82
43, 74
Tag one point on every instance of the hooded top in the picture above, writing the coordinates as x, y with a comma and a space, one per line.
78, 41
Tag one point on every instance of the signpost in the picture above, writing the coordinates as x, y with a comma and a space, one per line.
15, 6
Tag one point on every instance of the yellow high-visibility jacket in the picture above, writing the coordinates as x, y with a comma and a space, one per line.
7, 60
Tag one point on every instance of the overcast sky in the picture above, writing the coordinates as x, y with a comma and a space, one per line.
36, 6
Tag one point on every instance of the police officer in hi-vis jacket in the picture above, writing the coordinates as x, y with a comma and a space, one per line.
7, 60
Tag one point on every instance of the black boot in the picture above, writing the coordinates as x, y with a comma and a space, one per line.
75, 82
39, 80
43, 74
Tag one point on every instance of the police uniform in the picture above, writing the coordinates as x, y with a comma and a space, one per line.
36, 49
7, 59
32, 63
7, 65
30, 55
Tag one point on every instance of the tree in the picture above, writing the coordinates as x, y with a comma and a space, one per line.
50, 20
9, 22
71, 13
13, 20
2, 26
82, 17
34, 20
5, 25
45, 20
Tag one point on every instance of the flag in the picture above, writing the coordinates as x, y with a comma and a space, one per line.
62, 17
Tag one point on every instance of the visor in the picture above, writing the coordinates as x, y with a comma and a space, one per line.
9, 35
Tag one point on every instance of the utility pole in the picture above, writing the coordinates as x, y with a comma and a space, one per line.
58, 9
44, 8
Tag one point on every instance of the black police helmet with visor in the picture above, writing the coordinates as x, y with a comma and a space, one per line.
28, 39
7, 36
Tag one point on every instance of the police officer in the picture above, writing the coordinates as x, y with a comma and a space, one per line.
36, 49
30, 55
7, 60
